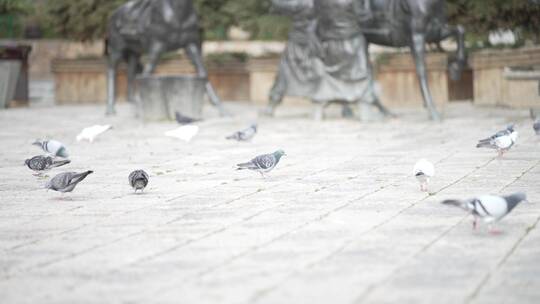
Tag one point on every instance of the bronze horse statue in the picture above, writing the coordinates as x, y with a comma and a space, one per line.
413, 23
153, 27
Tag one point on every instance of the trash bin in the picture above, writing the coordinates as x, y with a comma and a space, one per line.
159, 97
14, 74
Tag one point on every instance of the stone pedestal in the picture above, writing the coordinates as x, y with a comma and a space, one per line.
159, 97
501, 77
9, 73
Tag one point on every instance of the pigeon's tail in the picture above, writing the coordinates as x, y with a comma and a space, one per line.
59, 163
234, 136
80, 176
244, 166
484, 143
453, 202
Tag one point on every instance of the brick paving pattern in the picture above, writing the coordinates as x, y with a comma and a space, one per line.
340, 220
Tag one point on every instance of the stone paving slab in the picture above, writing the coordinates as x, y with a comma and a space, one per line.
340, 220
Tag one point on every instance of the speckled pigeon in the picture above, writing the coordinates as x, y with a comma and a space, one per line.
138, 180
244, 135
42, 163
262, 163
66, 182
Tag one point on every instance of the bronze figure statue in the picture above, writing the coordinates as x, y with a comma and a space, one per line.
413, 23
326, 56
153, 27
297, 74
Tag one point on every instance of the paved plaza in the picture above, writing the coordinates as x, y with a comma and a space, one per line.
340, 220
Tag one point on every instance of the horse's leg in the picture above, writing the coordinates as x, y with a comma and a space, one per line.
276, 93
194, 54
418, 49
153, 57
133, 61
374, 97
458, 32
114, 59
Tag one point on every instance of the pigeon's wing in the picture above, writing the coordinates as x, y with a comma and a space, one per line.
76, 178
132, 177
235, 136
145, 175
504, 142
487, 143
58, 163
265, 161
501, 133
61, 180
491, 206
38, 163
248, 133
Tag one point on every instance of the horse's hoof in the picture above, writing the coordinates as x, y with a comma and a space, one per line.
110, 112
347, 112
268, 112
435, 116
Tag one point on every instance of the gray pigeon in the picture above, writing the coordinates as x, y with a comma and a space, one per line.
536, 123
244, 135
54, 147
490, 208
502, 141
43, 163
138, 180
183, 119
262, 163
66, 182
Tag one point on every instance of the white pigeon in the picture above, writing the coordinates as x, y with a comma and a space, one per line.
185, 133
489, 208
423, 171
92, 132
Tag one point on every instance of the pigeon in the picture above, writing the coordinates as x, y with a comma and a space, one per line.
54, 147
90, 133
244, 135
138, 180
423, 171
490, 208
536, 123
502, 141
66, 182
43, 163
262, 163
184, 120
185, 133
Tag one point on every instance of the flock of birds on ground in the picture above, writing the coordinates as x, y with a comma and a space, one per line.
489, 208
